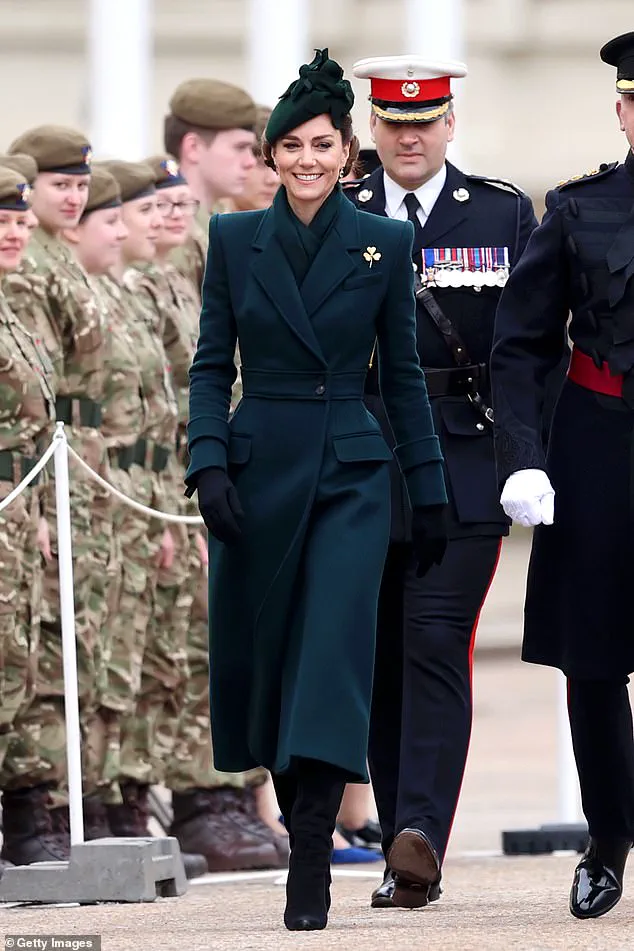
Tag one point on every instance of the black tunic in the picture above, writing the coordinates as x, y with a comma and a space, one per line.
580, 260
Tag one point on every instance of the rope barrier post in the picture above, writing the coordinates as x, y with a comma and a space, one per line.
69, 645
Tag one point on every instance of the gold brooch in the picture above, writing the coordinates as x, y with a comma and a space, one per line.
371, 255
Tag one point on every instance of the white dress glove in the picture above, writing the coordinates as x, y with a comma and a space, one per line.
528, 498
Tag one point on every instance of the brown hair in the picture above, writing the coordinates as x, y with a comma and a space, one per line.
175, 130
347, 136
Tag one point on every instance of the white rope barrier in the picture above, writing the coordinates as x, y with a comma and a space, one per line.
164, 516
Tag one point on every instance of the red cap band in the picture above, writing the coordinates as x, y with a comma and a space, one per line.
410, 90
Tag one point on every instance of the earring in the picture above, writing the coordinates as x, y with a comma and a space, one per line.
342, 173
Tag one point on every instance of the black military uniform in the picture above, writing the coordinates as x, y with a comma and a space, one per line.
579, 598
422, 705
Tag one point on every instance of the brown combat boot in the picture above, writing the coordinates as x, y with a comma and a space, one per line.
96, 825
210, 821
248, 808
28, 833
130, 820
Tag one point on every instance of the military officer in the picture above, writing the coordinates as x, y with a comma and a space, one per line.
578, 613
469, 233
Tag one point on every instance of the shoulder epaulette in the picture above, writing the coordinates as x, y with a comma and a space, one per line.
603, 169
354, 183
502, 183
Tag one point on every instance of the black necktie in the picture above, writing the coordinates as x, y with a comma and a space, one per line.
412, 204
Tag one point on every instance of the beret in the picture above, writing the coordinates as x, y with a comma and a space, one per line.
104, 191
135, 179
22, 163
211, 104
14, 190
166, 170
55, 149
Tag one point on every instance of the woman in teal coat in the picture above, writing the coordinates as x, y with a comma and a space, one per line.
294, 488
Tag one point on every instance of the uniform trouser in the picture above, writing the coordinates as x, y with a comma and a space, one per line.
20, 596
129, 615
420, 723
44, 719
601, 727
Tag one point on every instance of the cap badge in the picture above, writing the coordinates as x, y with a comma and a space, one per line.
411, 89
461, 194
371, 255
87, 154
365, 194
171, 167
25, 192
410, 71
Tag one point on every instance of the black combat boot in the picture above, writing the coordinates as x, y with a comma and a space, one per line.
28, 832
209, 821
130, 820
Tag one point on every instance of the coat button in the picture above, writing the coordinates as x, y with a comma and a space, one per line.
320, 390
480, 427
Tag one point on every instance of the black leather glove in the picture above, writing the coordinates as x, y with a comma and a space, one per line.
429, 536
219, 504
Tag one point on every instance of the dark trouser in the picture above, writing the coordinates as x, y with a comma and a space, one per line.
420, 723
601, 727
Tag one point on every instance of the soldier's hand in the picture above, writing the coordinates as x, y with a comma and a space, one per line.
44, 539
166, 552
219, 505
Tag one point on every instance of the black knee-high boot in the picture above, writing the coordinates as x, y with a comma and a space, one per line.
320, 789
285, 785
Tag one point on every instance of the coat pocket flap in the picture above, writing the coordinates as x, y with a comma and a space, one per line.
239, 450
362, 447
361, 280
463, 419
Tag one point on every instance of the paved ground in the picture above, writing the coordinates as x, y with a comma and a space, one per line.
491, 902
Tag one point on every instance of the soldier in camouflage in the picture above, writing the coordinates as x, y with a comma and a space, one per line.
27, 411
52, 296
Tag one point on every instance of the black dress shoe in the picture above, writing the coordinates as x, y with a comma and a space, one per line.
598, 882
416, 868
382, 897
367, 837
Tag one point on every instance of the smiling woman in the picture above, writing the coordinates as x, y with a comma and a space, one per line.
294, 489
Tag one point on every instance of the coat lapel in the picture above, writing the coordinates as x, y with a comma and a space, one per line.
333, 263
273, 273
448, 213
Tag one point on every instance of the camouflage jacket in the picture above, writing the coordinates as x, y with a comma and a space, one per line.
66, 316
27, 399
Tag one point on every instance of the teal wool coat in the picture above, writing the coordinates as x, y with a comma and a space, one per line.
293, 603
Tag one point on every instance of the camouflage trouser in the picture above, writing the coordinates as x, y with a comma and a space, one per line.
44, 719
191, 764
20, 596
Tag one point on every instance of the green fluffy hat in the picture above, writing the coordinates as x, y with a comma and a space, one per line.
320, 89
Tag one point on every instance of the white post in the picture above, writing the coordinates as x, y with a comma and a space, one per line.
569, 805
69, 647
277, 45
436, 29
120, 43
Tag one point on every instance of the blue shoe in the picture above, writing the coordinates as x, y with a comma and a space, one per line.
354, 856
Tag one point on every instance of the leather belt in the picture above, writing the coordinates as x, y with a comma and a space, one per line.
14, 467
584, 372
144, 453
457, 381
78, 410
295, 385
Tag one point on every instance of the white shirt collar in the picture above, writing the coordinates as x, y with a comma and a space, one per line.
427, 194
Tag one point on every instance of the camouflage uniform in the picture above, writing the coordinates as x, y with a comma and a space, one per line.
27, 409
129, 642
52, 296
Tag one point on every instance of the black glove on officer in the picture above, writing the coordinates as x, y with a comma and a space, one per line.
219, 504
429, 536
